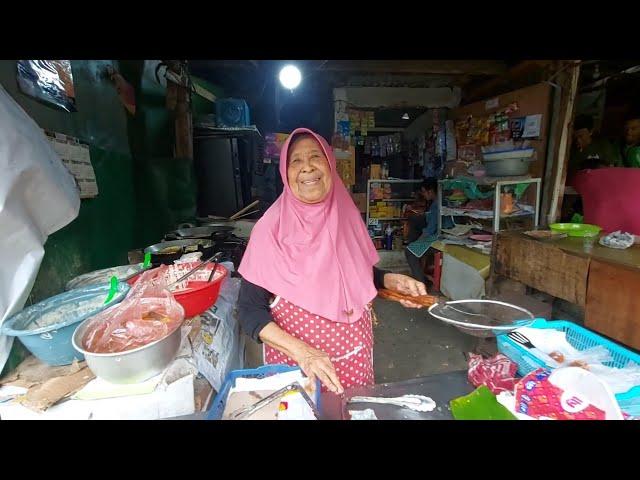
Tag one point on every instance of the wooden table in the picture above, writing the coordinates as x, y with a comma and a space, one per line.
604, 281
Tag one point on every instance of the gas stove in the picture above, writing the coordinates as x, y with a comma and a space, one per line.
232, 249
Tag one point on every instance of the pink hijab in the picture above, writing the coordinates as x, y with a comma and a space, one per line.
317, 256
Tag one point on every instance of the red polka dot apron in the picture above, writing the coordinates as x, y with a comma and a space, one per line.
350, 346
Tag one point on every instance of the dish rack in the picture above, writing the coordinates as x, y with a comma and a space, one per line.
581, 339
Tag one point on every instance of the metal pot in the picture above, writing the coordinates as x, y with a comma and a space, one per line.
203, 245
210, 221
132, 366
508, 167
201, 232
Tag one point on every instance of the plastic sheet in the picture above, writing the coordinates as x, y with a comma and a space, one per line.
149, 313
28, 164
98, 277
49, 81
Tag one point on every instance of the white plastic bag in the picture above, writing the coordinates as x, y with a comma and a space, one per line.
38, 196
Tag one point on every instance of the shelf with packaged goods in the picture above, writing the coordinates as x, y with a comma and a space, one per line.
453, 212
392, 200
495, 215
392, 180
398, 192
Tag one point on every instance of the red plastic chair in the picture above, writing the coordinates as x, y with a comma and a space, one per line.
611, 198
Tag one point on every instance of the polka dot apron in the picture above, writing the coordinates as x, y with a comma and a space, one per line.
350, 346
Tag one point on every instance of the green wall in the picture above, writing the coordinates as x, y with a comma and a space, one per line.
143, 191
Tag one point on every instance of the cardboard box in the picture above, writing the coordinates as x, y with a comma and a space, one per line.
376, 171
346, 165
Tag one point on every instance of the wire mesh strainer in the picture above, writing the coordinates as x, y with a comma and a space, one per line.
482, 318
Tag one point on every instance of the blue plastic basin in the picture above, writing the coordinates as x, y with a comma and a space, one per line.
52, 343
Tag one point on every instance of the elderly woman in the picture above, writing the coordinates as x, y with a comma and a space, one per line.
308, 273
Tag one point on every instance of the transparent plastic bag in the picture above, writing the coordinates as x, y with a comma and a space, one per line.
620, 380
149, 313
103, 276
567, 356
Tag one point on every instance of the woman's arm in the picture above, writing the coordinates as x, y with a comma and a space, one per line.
253, 309
255, 319
313, 362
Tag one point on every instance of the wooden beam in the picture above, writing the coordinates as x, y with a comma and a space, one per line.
441, 67
492, 87
564, 146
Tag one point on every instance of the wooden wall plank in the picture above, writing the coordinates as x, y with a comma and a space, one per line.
613, 304
531, 101
542, 266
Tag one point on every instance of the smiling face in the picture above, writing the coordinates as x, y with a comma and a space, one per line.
308, 170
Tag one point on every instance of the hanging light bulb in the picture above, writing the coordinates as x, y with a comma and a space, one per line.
290, 77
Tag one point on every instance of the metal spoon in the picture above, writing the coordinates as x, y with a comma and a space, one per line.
419, 403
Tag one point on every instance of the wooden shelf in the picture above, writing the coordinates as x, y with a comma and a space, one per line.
392, 200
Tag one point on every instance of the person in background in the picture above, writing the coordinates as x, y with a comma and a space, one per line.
590, 150
416, 249
631, 148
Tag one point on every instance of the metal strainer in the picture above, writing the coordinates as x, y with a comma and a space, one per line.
482, 318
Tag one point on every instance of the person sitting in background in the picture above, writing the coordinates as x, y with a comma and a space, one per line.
416, 249
591, 151
631, 148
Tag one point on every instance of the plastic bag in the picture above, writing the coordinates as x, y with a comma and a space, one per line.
149, 313
620, 380
565, 394
28, 164
49, 81
496, 373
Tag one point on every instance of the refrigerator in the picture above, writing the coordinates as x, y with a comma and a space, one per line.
223, 163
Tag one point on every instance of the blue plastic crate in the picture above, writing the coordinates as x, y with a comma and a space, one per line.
581, 339
217, 407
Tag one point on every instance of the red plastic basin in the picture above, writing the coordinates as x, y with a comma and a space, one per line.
199, 295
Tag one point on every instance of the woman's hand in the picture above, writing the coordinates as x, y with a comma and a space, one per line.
317, 364
406, 285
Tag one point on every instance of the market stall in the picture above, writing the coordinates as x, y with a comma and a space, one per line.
160, 337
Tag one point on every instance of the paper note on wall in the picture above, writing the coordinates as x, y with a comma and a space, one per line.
532, 126
75, 156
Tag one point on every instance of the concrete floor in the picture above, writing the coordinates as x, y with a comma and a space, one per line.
410, 343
